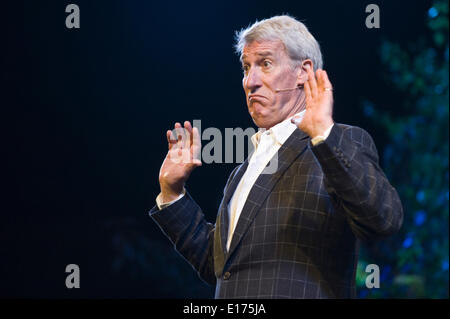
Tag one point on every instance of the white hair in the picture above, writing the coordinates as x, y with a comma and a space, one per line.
298, 41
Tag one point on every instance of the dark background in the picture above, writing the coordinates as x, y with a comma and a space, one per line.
85, 113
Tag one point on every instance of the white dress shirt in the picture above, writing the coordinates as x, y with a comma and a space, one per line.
266, 143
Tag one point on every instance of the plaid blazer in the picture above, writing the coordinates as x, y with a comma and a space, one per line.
298, 232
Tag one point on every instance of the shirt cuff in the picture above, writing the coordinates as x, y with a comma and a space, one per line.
321, 138
162, 205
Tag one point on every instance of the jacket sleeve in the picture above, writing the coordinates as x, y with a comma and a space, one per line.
357, 184
184, 224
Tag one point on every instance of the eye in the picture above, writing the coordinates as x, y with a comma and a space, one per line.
267, 63
245, 68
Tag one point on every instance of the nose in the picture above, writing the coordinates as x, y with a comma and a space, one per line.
253, 80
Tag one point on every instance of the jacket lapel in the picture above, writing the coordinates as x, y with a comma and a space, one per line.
288, 152
221, 233
228, 194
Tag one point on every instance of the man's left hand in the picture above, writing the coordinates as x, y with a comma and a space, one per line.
319, 104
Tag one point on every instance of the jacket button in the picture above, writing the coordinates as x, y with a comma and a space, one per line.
226, 275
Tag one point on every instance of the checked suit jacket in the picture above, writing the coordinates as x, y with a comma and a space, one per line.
299, 231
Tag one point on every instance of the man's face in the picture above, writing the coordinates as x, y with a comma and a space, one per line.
266, 68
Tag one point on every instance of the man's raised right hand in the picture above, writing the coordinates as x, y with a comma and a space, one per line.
181, 159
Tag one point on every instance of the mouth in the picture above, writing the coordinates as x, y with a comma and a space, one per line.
256, 97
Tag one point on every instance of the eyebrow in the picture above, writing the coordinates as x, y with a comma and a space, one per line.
263, 54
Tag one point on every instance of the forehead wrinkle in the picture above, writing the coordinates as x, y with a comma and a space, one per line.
265, 45
261, 54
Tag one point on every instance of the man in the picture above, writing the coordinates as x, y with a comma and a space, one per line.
292, 233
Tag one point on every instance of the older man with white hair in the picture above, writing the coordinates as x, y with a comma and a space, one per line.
294, 232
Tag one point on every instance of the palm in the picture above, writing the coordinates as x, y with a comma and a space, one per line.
319, 104
181, 159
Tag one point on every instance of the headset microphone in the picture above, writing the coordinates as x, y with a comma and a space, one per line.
283, 90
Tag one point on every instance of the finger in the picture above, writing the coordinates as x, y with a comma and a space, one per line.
312, 83
180, 135
196, 137
326, 81
170, 139
188, 126
176, 128
296, 120
188, 132
307, 94
320, 82
196, 147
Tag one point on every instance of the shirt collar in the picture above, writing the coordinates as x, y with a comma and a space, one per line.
279, 132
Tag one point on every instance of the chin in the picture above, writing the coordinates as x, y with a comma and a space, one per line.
261, 117
261, 123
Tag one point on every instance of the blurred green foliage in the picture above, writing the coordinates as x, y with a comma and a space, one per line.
414, 262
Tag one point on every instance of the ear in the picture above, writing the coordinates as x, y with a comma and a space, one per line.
302, 71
